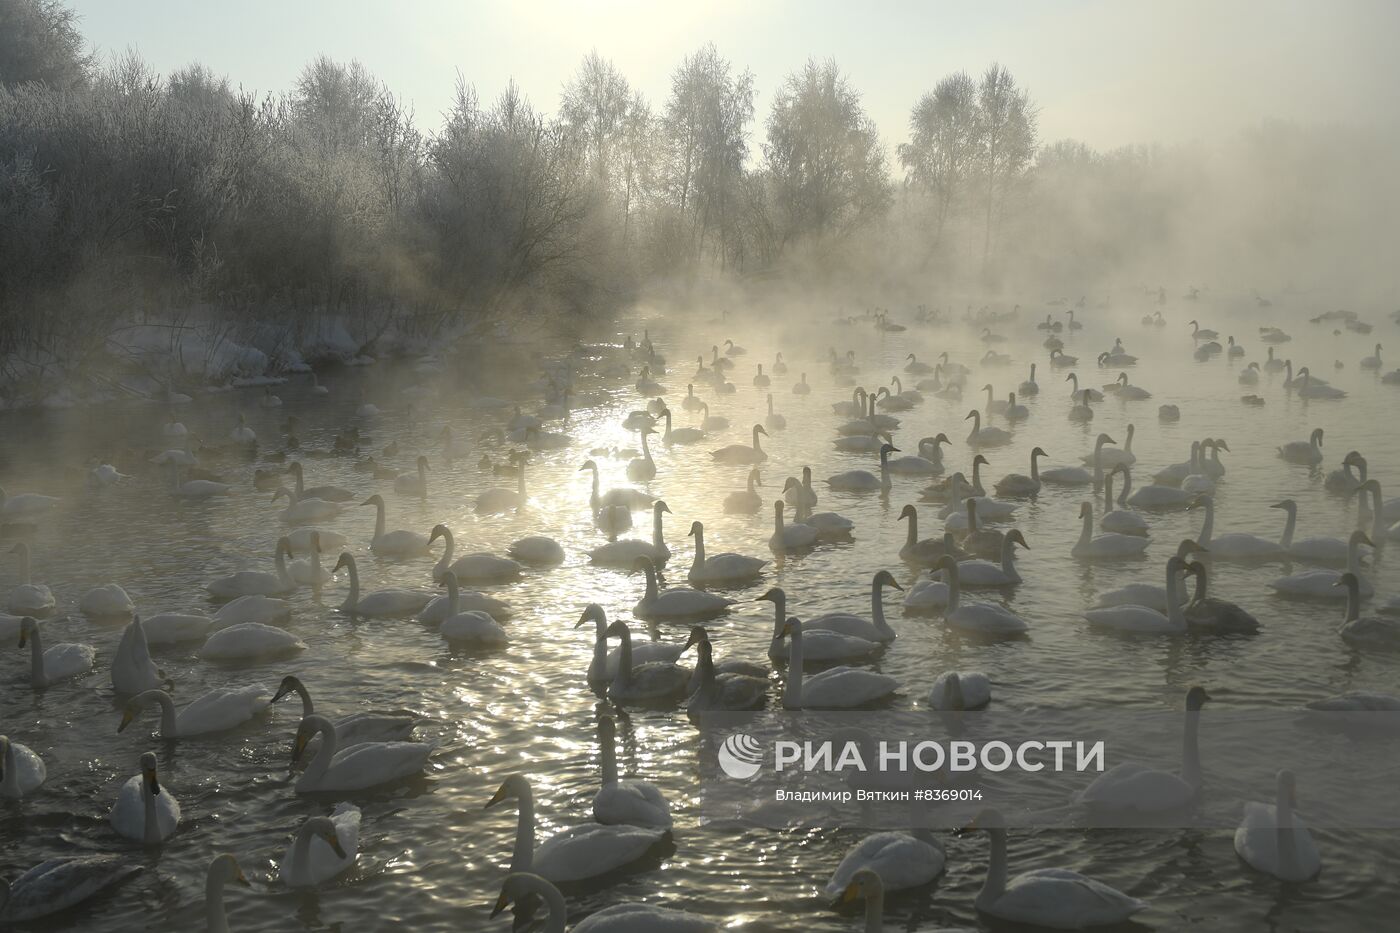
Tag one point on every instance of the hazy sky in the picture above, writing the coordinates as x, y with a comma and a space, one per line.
1106, 71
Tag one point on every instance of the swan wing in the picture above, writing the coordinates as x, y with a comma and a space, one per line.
592, 849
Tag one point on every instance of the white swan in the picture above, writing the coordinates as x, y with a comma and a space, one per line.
1154, 615
820, 645
988, 436
1107, 546
22, 772
300, 540
834, 688
901, 861
325, 493
305, 511
960, 690
927, 551
727, 568
864, 480
108, 601
745, 501
1082, 412
625, 553
28, 598
257, 582
629, 802
415, 483
1274, 840
479, 567
794, 537
356, 728
875, 628
1094, 395
398, 543
1019, 484
1048, 897
536, 550
929, 461
830, 526
685, 435
1304, 453
977, 618
643, 468
470, 627
499, 499
1321, 584
263, 610
394, 603
357, 767
575, 854
251, 641
133, 671
603, 667
1237, 545
1120, 520
173, 628
145, 810
1370, 631
26, 506
222, 869
679, 602
985, 574
58, 663
60, 884
324, 847
219, 710
742, 453
1313, 550
1133, 787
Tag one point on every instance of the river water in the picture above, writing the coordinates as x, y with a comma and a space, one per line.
431, 858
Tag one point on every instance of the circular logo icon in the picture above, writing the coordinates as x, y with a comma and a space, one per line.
741, 756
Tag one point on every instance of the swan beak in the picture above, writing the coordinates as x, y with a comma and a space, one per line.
334, 843
853, 892
497, 798
1367, 541
153, 781
298, 747
239, 877
896, 586
127, 716
502, 903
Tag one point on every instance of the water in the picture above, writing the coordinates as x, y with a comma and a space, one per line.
432, 858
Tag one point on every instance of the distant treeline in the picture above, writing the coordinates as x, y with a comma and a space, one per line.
127, 195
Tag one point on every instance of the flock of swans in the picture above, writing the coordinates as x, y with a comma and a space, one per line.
963, 574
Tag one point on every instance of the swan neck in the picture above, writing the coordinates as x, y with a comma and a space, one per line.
877, 610
453, 595
148, 800
1289, 527
792, 687
379, 520
874, 911
353, 599
1087, 531
214, 916
1208, 526
1174, 612
330, 743
624, 661
301, 850
1008, 558
168, 727
913, 529
699, 560
1287, 836
449, 546
657, 541
608, 756
995, 885
1190, 750
1127, 484
523, 857
954, 589
9, 787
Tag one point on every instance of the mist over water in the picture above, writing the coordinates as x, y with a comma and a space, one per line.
174, 249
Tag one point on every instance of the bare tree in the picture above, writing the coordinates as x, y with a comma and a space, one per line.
943, 147
1006, 135
824, 156
40, 42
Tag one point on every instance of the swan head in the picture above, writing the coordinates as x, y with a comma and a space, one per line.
1015, 535
1360, 537
644, 565
885, 578
148, 773
439, 531
660, 506
290, 684
1196, 697
323, 826
759, 429
1203, 501
514, 787
310, 726
588, 465
887, 448
1353, 458
1038, 452
224, 868
1188, 547
793, 626
27, 626
980, 460
346, 560
283, 491
698, 634
517, 887
792, 482
375, 499
986, 818
1288, 505
865, 885
1316, 436
696, 529
947, 562
972, 414
774, 595
593, 613
1086, 510
1350, 581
